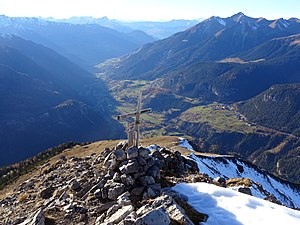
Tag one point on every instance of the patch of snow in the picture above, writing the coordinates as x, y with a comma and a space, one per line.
228, 207
230, 167
222, 22
184, 143
154, 147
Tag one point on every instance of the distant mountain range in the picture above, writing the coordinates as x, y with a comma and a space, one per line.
159, 30
220, 59
84, 44
45, 100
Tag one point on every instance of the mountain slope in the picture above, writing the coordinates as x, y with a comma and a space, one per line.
285, 99
86, 44
54, 194
46, 100
211, 40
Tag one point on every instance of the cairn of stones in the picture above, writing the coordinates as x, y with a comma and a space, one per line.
122, 186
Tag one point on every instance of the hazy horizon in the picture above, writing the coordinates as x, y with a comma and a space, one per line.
145, 10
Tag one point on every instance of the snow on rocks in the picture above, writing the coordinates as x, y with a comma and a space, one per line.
227, 207
263, 185
184, 143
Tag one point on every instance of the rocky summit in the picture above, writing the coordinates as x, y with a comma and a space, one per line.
117, 186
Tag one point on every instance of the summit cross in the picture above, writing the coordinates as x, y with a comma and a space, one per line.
135, 133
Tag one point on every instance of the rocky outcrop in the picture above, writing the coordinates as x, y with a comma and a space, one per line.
119, 186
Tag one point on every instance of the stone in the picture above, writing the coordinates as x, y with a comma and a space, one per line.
245, 190
132, 152
127, 180
154, 171
114, 163
139, 174
150, 162
220, 180
98, 193
47, 192
113, 209
156, 188
103, 207
124, 199
141, 161
137, 190
117, 177
75, 185
119, 154
176, 213
130, 167
105, 152
157, 154
144, 152
119, 215
38, 218
154, 217
101, 183
114, 189
146, 180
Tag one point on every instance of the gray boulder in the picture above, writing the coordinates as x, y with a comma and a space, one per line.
154, 217
131, 167
132, 152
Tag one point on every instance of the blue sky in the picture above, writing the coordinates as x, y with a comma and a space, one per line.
151, 9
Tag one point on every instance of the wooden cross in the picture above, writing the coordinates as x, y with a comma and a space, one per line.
134, 134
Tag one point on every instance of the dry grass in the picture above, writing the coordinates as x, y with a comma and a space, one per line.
232, 182
22, 197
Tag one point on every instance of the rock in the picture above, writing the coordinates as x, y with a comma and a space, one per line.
141, 161
127, 180
104, 193
154, 172
38, 218
113, 209
156, 188
119, 215
124, 199
47, 192
220, 180
106, 152
139, 174
131, 167
146, 180
103, 207
132, 152
245, 190
150, 162
119, 154
154, 217
117, 177
137, 190
80, 209
157, 154
144, 152
98, 193
114, 189
75, 185
29, 184
176, 213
